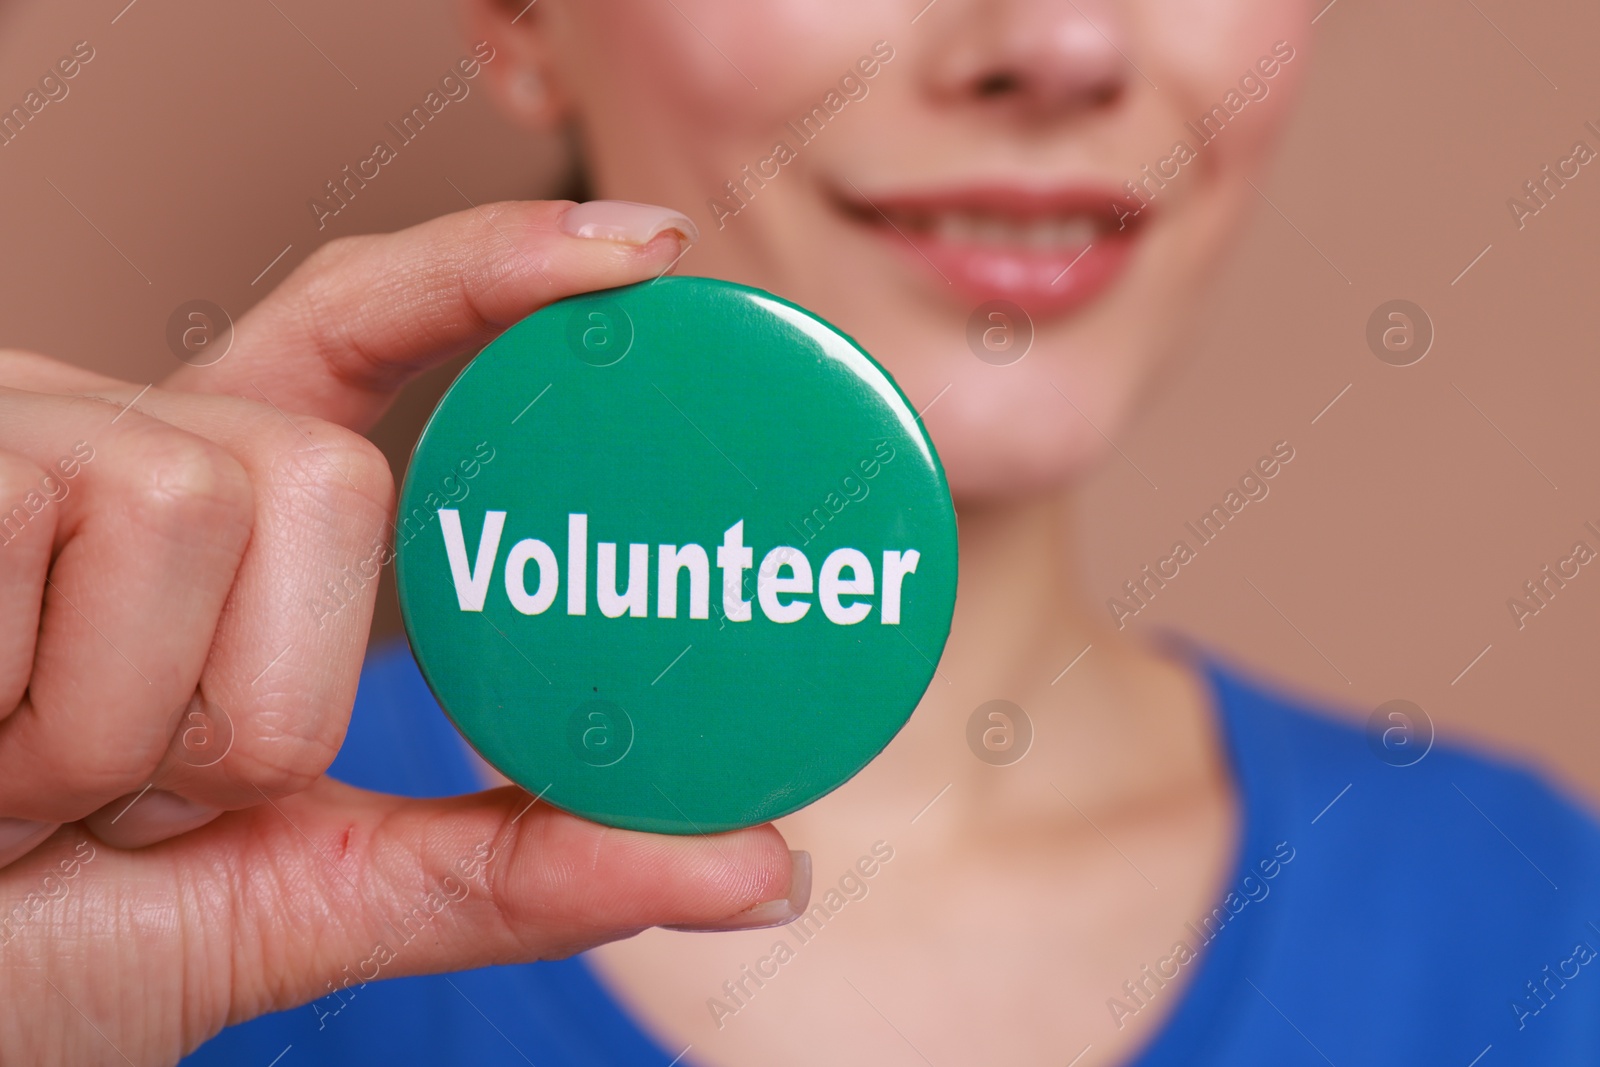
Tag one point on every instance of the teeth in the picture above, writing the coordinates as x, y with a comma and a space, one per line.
957, 229
993, 231
1043, 234
1079, 230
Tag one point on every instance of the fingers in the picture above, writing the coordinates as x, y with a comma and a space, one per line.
280, 678
41, 374
364, 315
355, 885
286, 903
204, 622
148, 816
27, 531
151, 523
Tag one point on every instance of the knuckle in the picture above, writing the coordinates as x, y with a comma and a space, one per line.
282, 773
284, 750
96, 775
180, 484
18, 476
330, 255
541, 877
528, 216
313, 296
333, 270
334, 463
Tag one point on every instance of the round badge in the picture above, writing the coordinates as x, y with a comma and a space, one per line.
677, 557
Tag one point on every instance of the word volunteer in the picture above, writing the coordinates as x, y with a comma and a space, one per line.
776, 592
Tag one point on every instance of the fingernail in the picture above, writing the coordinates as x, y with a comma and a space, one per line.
785, 909
135, 821
18, 836
625, 221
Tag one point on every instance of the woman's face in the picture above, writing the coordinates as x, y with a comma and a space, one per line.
916, 171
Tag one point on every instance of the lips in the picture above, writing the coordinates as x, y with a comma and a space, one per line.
1051, 252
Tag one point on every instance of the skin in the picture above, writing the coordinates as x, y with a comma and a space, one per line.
194, 539
1005, 876
160, 587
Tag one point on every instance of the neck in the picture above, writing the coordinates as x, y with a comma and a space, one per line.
1020, 606
1116, 726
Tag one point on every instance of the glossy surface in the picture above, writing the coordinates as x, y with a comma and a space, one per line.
683, 412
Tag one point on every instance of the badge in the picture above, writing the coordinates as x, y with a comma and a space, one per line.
677, 557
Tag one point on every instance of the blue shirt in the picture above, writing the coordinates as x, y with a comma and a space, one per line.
1443, 913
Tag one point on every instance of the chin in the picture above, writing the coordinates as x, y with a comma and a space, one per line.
1008, 462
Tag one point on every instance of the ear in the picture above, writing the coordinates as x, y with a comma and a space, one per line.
520, 77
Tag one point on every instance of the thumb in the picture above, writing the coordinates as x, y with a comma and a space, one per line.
345, 887
363, 315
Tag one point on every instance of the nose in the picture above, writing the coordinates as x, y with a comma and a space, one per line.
1035, 59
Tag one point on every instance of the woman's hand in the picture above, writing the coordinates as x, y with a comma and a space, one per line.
173, 685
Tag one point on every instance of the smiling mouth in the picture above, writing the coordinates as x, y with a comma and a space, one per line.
1051, 252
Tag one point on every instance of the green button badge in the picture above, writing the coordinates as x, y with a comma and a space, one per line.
677, 557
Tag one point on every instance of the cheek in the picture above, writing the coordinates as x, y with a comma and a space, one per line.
745, 66
1193, 36
1200, 50
675, 99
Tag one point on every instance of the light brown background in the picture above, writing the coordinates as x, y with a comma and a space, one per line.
1390, 545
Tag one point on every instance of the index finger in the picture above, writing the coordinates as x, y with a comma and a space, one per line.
363, 315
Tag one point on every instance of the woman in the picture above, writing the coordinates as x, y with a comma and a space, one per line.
1182, 869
